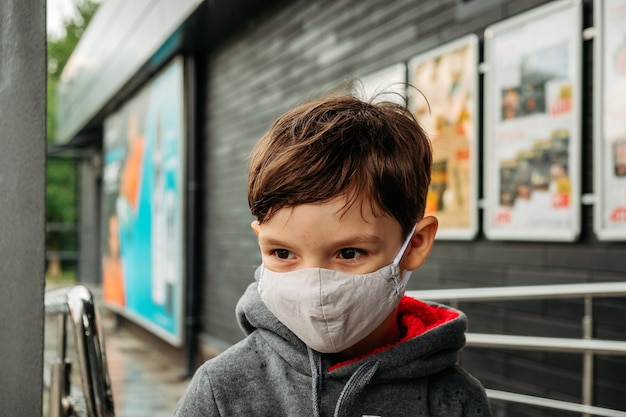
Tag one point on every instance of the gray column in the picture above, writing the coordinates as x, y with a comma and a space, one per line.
89, 191
22, 204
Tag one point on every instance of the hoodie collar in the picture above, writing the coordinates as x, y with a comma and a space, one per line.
434, 336
416, 318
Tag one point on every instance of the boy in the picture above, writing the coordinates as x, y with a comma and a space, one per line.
338, 187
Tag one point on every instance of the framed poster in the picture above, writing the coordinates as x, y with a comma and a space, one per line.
532, 124
142, 212
387, 84
610, 119
442, 94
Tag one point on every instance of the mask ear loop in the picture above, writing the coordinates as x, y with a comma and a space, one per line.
396, 261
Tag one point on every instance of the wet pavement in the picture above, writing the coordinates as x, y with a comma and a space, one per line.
146, 373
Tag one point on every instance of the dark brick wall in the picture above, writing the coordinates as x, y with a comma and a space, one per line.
298, 49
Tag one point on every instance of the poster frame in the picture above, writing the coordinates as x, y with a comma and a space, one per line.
471, 42
491, 177
175, 338
602, 160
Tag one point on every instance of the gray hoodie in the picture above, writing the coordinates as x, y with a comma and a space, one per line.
273, 373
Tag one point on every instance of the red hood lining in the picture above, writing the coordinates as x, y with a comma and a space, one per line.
416, 317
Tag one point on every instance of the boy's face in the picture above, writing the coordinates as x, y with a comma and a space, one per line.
325, 235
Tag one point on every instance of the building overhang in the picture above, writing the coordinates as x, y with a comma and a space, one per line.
126, 43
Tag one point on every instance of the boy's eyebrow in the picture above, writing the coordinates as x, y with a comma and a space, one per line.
271, 241
358, 239
348, 241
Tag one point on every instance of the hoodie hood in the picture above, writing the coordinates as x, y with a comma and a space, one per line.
272, 372
434, 335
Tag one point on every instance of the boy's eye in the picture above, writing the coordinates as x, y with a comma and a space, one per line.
350, 253
282, 253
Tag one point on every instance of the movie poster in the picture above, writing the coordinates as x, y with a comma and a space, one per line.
442, 94
387, 84
142, 212
532, 125
610, 119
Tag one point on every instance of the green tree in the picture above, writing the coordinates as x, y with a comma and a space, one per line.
60, 170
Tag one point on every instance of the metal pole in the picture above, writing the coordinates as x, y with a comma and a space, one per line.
191, 217
59, 372
588, 371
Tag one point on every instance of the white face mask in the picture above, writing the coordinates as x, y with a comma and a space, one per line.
330, 310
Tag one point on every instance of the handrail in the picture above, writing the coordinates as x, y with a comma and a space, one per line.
77, 303
529, 292
587, 346
555, 404
552, 344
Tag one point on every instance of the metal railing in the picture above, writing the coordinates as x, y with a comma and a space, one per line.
95, 398
587, 346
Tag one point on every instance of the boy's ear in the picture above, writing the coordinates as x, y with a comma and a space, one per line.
421, 242
255, 226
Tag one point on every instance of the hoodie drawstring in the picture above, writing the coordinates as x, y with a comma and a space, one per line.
354, 386
316, 381
359, 379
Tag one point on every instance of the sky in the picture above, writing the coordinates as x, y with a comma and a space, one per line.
58, 10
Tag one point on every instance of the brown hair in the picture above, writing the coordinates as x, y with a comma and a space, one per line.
342, 145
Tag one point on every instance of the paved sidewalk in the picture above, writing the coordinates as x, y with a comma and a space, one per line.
146, 380
145, 372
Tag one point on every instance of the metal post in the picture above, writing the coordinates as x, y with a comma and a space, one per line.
588, 371
191, 216
59, 383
